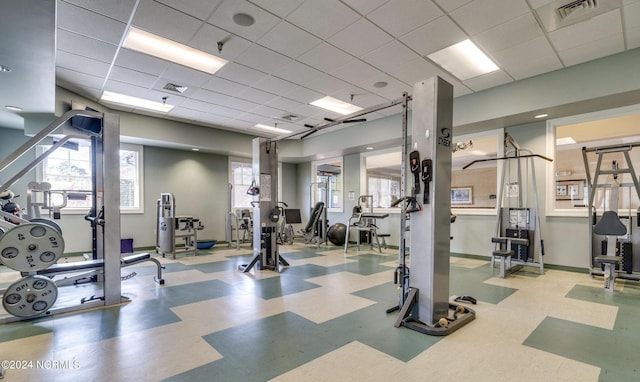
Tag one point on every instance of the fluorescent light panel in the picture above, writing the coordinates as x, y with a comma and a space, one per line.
140, 103
272, 129
464, 60
166, 49
335, 105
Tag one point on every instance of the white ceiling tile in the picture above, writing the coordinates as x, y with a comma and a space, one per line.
325, 57
240, 73
488, 80
186, 76
190, 114
528, 59
304, 95
450, 5
587, 31
290, 106
360, 37
223, 18
84, 22
433, 36
297, 72
355, 71
399, 17
364, 6
263, 59
81, 79
250, 117
390, 55
133, 77
208, 36
633, 38
255, 95
197, 105
632, 16
275, 85
413, 71
605, 46
225, 111
281, 8
513, 32
159, 19
267, 111
81, 64
120, 10
239, 104
535, 4
137, 61
200, 9
172, 97
80, 89
480, 15
85, 46
128, 89
361, 97
323, 18
393, 90
223, 86
210, 96
327, 84
289, 40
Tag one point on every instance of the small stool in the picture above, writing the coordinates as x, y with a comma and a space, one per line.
384, 242
610, 263
504, 257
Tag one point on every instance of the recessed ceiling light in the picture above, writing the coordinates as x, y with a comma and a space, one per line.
464, 60
166, 49
140, 103
380, 84
195, 149
243, 19
541, 115
4, 68
369, 148
272, 129
13, 108
335, 105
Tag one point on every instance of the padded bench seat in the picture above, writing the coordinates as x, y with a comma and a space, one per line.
76, 266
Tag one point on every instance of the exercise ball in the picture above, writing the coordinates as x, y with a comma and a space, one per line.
336, 233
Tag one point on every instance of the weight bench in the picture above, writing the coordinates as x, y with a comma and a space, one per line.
504, 255
382, 236
96, 265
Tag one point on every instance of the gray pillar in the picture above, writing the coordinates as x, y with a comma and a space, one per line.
431, 135
111, 201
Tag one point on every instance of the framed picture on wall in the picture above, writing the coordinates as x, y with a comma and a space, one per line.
569, 189
462, 195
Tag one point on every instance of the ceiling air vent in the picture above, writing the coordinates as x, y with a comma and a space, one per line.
175, 88
565, 10
562, 13
289, 117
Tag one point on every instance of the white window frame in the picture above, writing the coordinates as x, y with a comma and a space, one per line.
499, 134
364, 181
232, 160
314, 174
126, 210
552, 124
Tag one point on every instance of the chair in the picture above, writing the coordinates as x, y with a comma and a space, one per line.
362, 224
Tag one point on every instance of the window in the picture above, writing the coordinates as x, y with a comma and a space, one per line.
70, 170
241, 176
567, 192
383, 176
327, 183
479, 182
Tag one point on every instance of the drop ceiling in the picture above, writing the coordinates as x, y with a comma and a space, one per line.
300, 50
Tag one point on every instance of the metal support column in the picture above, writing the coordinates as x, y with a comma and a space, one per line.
111, 201
427, 308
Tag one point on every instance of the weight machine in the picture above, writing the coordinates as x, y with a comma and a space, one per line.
518, 241
611, 235
34, 247
170, 228
266, 212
